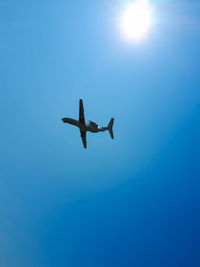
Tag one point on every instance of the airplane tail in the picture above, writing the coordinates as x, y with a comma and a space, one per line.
110, 128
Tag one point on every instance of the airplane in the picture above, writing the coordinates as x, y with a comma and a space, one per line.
90, 126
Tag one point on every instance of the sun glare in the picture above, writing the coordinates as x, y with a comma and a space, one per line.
136, 20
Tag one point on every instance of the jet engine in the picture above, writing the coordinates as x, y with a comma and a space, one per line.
92, 124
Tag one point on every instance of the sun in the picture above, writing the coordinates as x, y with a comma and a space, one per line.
136, 20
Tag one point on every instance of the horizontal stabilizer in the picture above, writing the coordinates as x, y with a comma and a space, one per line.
110, 128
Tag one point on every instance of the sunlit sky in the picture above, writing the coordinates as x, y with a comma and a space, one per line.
131, 201
136, 19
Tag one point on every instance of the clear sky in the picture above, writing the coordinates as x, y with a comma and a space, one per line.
131, 201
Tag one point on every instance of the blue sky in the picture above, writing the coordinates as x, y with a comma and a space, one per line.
131, 201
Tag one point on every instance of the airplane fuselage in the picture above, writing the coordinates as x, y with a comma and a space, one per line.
86, 127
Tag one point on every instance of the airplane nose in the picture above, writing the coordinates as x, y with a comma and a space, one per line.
65, 120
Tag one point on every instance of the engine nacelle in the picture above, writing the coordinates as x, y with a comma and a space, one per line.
92, 124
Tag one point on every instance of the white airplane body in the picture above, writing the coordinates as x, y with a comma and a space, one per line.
89, 127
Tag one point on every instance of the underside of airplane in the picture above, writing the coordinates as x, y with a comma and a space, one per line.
90, 126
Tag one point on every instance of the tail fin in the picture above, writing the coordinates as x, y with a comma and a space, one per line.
110, 128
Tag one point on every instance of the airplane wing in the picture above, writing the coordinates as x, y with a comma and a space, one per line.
81, 112
83, 136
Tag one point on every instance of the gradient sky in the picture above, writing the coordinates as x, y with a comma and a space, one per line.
131, 201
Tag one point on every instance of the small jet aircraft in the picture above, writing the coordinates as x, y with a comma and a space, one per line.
90, 126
